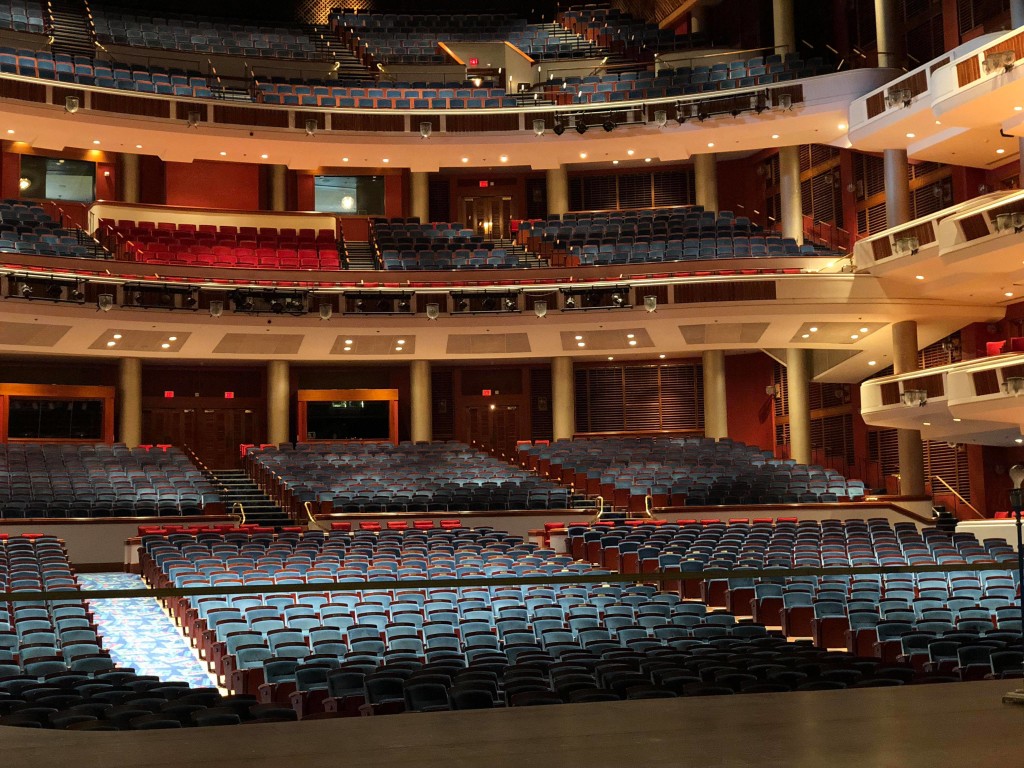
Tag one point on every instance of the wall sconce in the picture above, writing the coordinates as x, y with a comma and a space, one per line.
1007, 221
326, 311
651, 303
899, 96
660, 118
216, 308
1003, 60
433, 310
916, 397
773, 391
538, 127
785, 101
426, 128
71, 104
311, 127
540, 308
1014, 385
906, 245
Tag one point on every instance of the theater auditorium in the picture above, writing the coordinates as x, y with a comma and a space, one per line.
393, 383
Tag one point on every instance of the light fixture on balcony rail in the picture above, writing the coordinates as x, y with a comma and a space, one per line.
216, 308
898, 97
71, 104
660, 117
326, 310
311, 127
426, 128
1014, 385
538, 127
784, 101
609, 125
916, 397
540, 308
759, 102
651, 303
77, 293
581, 124
433, 310
1000, 60
618, 300
193, 119
105, 302
1010, 221
906, 245
24, 290
559, 127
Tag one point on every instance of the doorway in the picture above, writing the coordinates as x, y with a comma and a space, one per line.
215, 434
488, 216
493, 427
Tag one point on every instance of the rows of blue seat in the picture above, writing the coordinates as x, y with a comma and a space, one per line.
620, 32
23, 16
27, 228
86, 480
444, 97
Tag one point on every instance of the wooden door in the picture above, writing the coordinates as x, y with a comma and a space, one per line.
215, 434
493, 427
488, 216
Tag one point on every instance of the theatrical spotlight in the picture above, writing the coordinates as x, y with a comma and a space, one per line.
581, 125
608, 125
558, 128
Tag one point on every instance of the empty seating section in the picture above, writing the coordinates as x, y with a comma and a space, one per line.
385, 96
27, 228
22, 16
73, 480
688, 233
203, 36
617, 31
103, 74
326, 652
407, 244
686, 471
391, 38
647, 84
223, 246
364, 477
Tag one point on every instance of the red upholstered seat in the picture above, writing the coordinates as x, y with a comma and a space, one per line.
994, 347
369, 526
397, 525
341, 526
449, 524
423, 525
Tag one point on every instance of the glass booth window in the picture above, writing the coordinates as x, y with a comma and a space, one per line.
348, 420
57, 179
349, 194
35, 419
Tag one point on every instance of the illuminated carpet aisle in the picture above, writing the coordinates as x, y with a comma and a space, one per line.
138, 634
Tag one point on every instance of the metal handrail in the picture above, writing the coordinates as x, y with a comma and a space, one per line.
308, 506
960, 498
241, 510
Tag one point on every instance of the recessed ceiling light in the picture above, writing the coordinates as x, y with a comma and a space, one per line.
503, 158
138, 146
863, 330
10, 131
223, 154
615, 162
775, 135
348, 341
264, 156
911, 135
1019, 440
165, 345
1018, 109
400, 341
95, 141
632, 342
630, 152
465, 159
1008, 294
872, 362
581, 343
711, 144
1000, 151
172, 338
854, 336
111, 343
344, 159
386, 160
662, 357
630, 335
926, 423
117, 335
919, 277
841, 126
583, 155
813, 329
348, 349
647, 159
956, 420
806, 336
610, 357
398, 349
938, 122
579, 338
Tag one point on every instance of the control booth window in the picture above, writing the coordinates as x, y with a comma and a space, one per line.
42, 419
362, 195
57, 179
348, 420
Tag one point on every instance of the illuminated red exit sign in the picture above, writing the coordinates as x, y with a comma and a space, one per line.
229, 395
484, 184
485, 392
168, 393
474, 62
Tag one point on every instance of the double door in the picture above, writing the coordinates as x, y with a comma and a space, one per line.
488, 216
215, 434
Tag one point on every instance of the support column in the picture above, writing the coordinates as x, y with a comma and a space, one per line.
798, 379
558, 191
128, 171
789, 194
422, 426
130, 399
278, 180
889, 34
705, 178
563, 398
419, 195
785, 26
277, 402
716, 419
897, 187
911, 448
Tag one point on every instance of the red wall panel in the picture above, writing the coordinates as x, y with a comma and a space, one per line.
750, 410
209, 184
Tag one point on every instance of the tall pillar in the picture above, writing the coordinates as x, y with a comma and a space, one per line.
558, 191
785, 26
130, 397
278, 179
128, 171
798, 380
789, 194
705, 178
277, 402
419, 195
889, 34
897, 187
422, 427
911, 449
563, 398
716, 420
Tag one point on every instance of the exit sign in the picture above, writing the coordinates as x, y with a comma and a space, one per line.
474, 62
484, 184
485, 392
168, 393
229, 395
